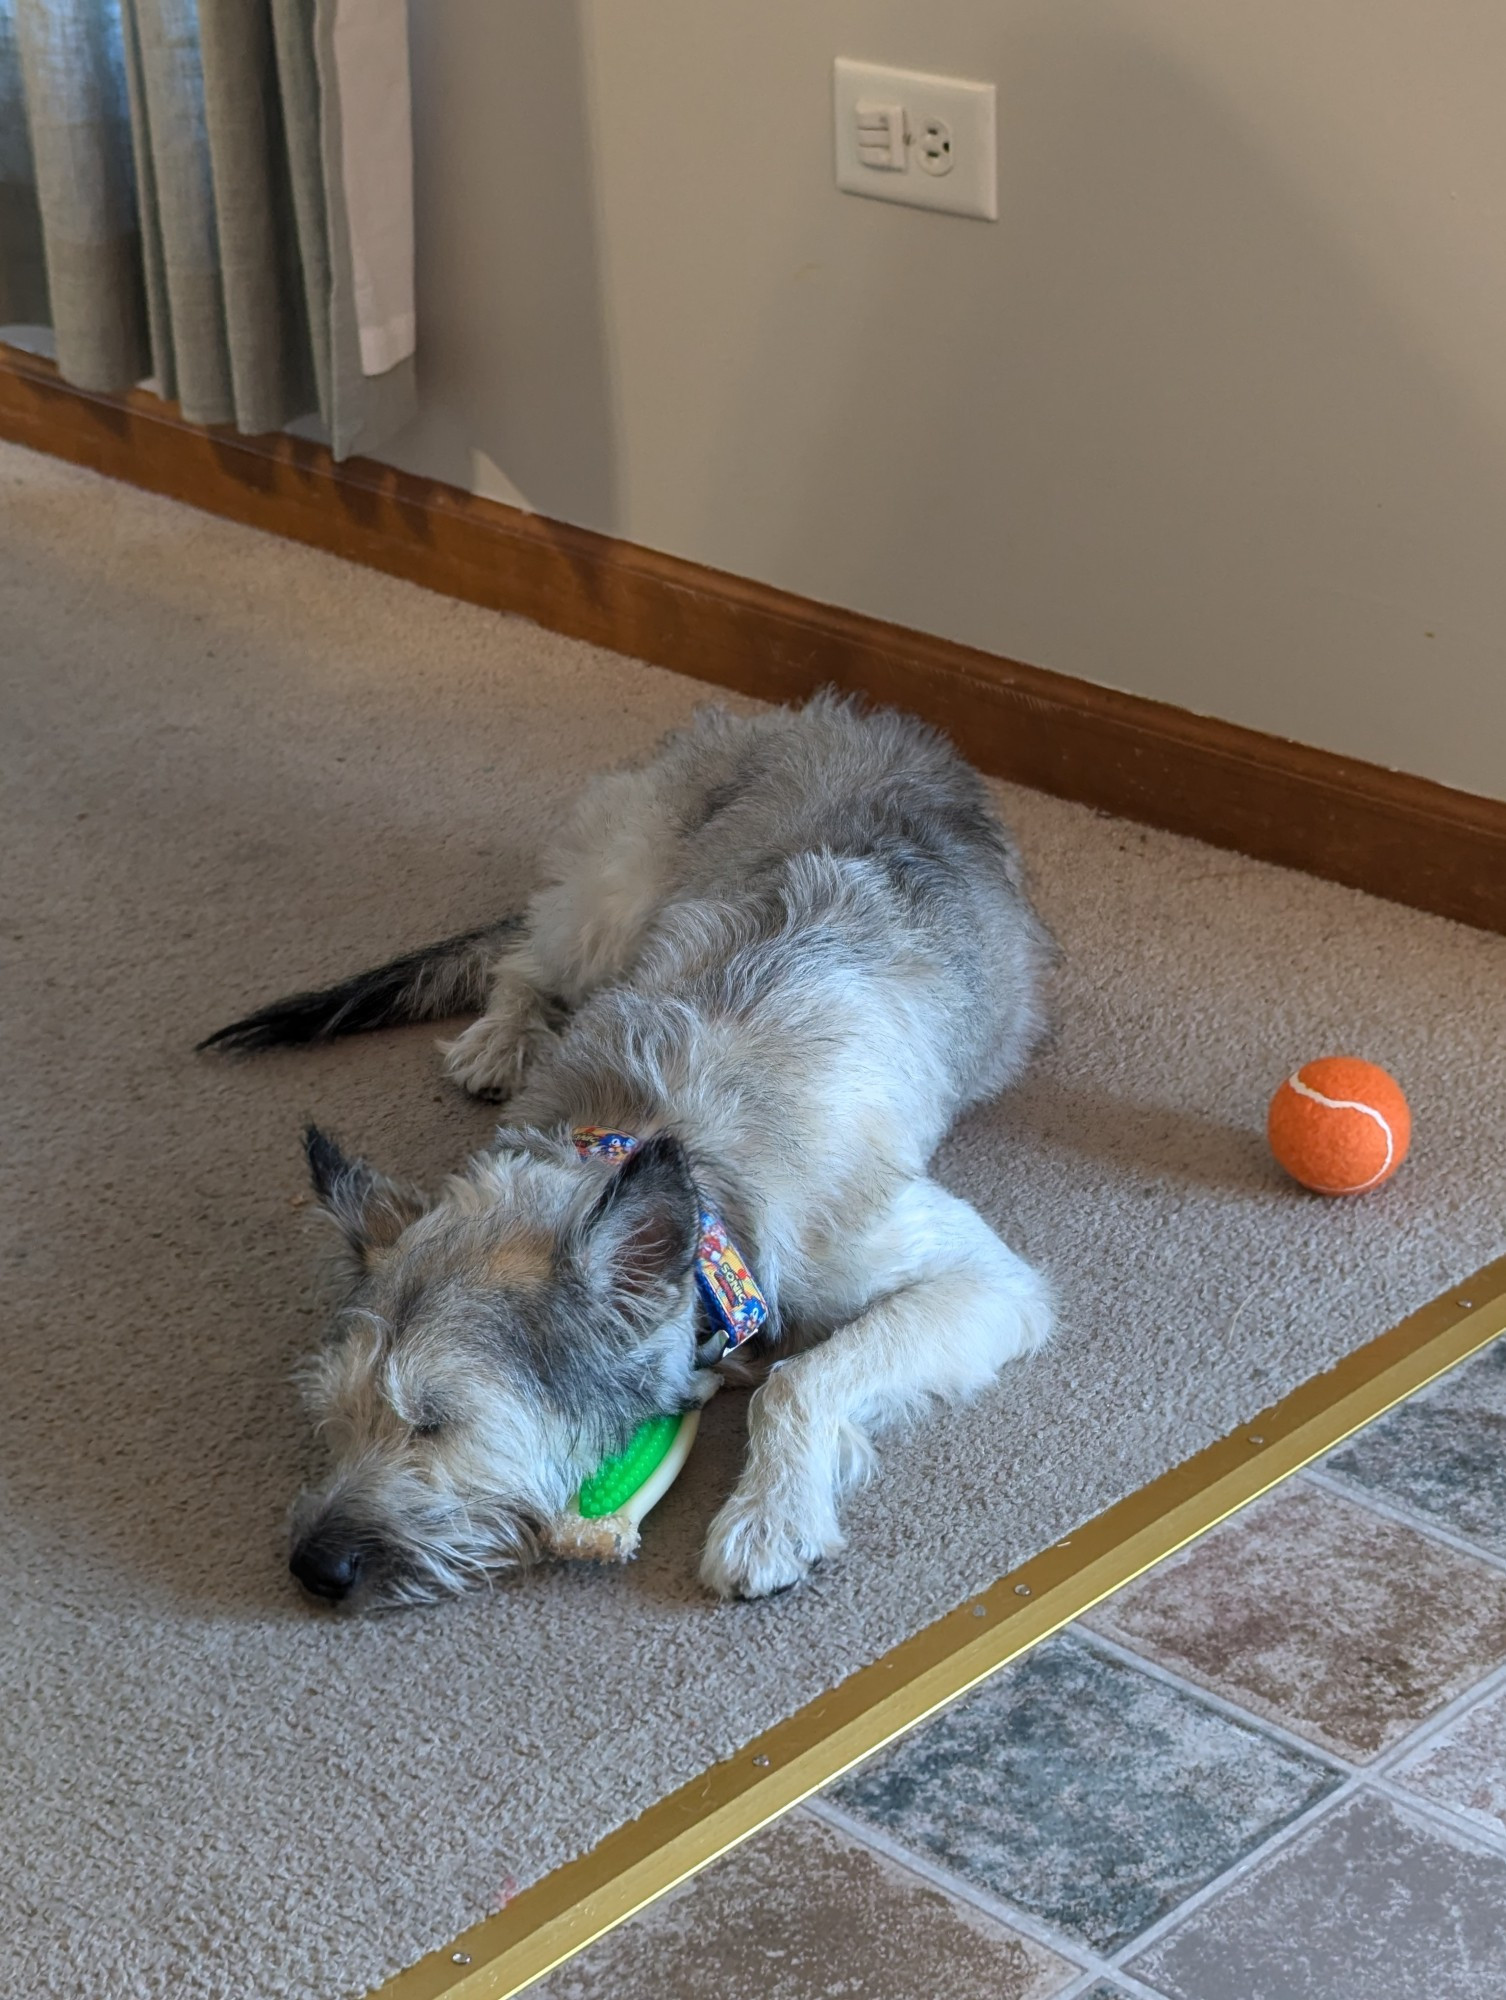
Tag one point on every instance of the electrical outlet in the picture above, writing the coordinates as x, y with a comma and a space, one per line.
934, 152
926, 141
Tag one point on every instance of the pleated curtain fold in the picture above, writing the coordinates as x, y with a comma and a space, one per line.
215, 195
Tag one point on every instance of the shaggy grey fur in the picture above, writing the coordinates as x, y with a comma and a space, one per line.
789, 951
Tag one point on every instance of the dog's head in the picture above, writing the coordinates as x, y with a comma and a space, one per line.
494, 1344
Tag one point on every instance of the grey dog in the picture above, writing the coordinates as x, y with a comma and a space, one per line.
782, 957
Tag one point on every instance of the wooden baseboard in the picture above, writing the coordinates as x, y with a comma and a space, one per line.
1398, 836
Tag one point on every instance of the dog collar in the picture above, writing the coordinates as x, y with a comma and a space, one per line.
728, 1289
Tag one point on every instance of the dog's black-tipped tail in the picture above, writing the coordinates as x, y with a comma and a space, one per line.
426, 985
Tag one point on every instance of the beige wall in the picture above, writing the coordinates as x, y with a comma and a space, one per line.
1216, 412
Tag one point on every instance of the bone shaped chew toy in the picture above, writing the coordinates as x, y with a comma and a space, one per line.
602, 1522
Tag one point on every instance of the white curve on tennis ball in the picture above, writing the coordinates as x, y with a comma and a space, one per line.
1347, 1104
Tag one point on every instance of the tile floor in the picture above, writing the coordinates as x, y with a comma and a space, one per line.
1272, 1769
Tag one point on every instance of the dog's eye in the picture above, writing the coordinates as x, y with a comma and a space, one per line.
430, 1427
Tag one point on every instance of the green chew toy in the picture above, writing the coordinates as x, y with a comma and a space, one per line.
615, 1483
602, 1521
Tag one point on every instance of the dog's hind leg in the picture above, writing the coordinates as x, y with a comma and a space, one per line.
956, 1304
583, 930
489, 1058
578, 936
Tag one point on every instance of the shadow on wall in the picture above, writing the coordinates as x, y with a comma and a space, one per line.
514, 388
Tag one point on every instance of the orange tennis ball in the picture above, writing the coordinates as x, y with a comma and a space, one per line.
1340, 1125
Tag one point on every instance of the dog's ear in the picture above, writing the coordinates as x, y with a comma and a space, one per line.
371, 1210
641, 1235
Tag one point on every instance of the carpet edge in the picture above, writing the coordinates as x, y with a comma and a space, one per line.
579, 1902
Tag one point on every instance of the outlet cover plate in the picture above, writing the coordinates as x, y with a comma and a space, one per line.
967, 113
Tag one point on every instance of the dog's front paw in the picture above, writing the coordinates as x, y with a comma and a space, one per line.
754, 1549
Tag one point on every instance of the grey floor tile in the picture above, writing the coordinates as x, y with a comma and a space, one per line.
1369, 1903
1084, 1790
1442, 1454
1465, 1767
803, 1912
1341, 1624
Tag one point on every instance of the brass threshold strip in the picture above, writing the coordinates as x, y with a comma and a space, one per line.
571, 1907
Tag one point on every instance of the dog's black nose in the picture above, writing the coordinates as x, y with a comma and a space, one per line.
328, 1569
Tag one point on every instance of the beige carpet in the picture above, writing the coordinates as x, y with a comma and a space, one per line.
232, 767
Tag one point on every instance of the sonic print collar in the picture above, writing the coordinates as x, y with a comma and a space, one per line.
738, 1309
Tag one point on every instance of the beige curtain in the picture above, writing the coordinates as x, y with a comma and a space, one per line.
216, 195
